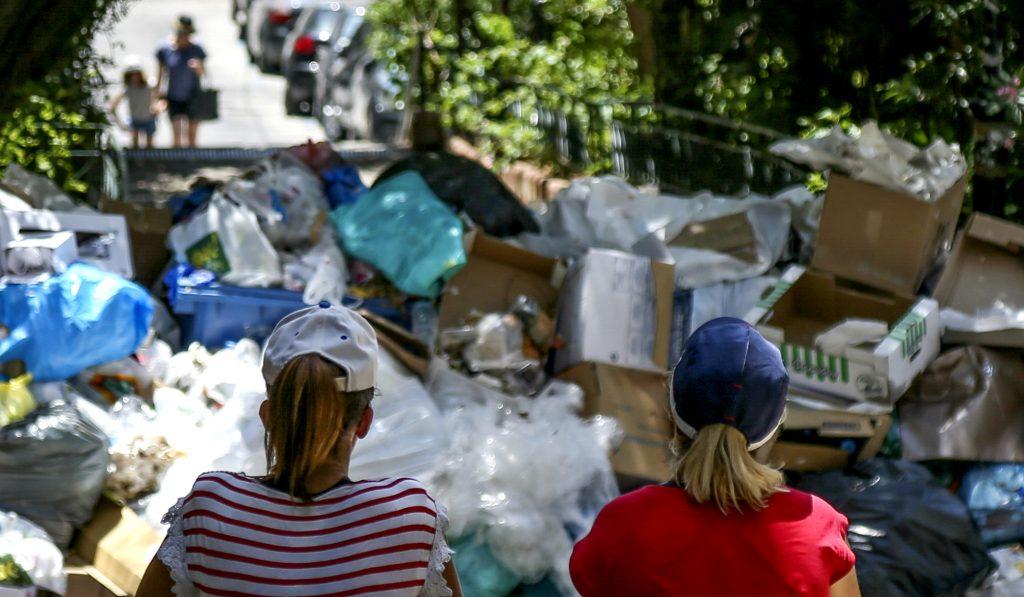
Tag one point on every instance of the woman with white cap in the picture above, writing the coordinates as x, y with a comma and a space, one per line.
306, 528
726, 524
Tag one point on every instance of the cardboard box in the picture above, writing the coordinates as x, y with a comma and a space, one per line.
495, 274
638, 400
58, 248
87, 581
118, 544
805, 303
985, 268
731, 235
823, 438
114, 253
408, 349
616, 308
883, 238
148, 226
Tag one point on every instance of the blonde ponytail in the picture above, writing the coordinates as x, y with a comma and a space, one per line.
716, 467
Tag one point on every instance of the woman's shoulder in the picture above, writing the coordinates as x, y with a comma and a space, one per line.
793, 503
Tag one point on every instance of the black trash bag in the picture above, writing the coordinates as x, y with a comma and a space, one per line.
910, 534
52, 467
467, 186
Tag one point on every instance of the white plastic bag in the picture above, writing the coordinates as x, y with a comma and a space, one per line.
226, 239
320, 273
33, 551
291, 189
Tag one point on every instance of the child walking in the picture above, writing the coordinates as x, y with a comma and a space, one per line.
143, 104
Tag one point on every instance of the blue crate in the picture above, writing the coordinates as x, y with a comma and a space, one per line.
217, 315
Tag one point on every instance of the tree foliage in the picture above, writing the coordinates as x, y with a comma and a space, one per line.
486, 63
48, 75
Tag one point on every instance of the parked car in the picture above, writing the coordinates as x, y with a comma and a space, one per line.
375, 112
240, 14
267, 25
344, 44
299, 62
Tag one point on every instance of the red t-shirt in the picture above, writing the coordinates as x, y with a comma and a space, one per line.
658, 541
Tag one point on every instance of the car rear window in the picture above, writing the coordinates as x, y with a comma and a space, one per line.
321, 23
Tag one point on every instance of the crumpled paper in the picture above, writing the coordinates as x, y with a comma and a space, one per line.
880, 158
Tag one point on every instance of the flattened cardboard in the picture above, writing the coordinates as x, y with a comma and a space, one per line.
496, 273
810, 438
118, 544
986, 266
805, 303
148, 225
732, 235
882, 238
611, 303
638, 401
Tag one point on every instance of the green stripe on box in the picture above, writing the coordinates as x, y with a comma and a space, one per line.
844, 370
780, 289
783, 350
820, 364
832, 374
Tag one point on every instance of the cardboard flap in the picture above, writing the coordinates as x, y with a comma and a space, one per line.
732, 235
986, 267
408, 349
119, 544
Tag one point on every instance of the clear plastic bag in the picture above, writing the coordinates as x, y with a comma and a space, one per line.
226, 239
995, 495
289, 189
33, 551
139, 452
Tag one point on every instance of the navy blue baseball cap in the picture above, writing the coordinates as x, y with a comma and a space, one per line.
729, 374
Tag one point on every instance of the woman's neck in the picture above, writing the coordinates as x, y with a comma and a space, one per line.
326, 476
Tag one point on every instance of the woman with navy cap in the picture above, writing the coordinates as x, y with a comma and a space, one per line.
726, 524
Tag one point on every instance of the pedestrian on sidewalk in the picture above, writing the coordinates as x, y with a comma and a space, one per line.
182, 66
307, 528
143, 103
726, 524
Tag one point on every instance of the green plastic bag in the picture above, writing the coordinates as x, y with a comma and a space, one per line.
403, 229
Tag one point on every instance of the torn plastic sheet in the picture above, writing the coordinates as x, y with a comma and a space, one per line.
606, 212
967, 405
34, 551
994, 493
1008, 581
1001, 316
878, 157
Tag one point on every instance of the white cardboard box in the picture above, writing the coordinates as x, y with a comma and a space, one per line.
116, 256
58, 249
805, 303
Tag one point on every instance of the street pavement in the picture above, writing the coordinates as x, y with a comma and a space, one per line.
251, 103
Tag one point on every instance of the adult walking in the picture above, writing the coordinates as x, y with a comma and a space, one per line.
726, 524
306, 528
182, 64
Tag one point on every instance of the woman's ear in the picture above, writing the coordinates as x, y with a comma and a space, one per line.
265, 412
364, 424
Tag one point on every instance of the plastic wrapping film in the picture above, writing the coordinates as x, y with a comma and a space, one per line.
1001, 316
52, 467
33, 551
995, 495
1008, 581
139, 452
967, 405
526, 477
877, 157
911, 535
606, 212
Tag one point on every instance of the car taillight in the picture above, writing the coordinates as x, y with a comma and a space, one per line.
305, 45
279, 17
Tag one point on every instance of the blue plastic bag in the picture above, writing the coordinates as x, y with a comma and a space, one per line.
343, 185
994, 494
79, 319
403, 229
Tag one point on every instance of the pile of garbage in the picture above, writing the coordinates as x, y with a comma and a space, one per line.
523, 352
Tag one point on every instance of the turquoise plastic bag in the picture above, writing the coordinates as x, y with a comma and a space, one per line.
403, 229
67, 323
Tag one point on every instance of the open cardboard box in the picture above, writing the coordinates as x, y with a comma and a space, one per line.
985, 268
883, 238
148, 225
638, 401
820, 439
118, 545
805, 303
616, 309
117, 256
495, 274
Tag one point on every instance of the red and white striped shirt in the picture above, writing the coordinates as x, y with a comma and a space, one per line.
234, 535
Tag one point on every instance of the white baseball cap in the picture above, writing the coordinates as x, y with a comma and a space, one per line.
338, 334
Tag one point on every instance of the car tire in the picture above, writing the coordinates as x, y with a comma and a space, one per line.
265, 66
291, 107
